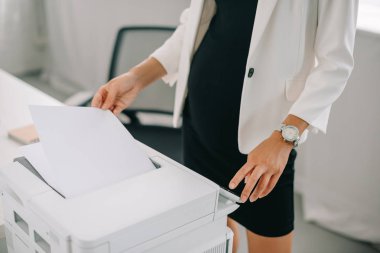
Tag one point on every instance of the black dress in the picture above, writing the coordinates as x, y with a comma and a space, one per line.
211, 117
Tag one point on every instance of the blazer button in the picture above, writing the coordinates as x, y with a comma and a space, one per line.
250, 72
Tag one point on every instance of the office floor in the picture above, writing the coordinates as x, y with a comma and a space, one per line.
309, 238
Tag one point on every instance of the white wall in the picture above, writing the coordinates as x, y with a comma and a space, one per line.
338, 173
82, 33
21, 36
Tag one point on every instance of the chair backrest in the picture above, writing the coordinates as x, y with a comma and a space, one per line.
133, 45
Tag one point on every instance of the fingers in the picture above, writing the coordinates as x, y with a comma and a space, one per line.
252, 181
118, 109
271, 184
240, 175
98, 99
109, 99
246, 177
261, 186
105, 98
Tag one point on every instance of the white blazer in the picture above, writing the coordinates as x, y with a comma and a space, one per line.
301, 52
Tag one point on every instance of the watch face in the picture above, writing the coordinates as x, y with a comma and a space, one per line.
290, 133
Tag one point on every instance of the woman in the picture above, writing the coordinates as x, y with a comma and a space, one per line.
252, 78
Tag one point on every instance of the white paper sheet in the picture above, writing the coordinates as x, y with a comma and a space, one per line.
36, 156
87, 148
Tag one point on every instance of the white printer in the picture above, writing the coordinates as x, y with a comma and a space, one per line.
171, 209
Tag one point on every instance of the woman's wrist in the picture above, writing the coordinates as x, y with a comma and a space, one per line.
276, 135
147, 72
135, 79
297, 122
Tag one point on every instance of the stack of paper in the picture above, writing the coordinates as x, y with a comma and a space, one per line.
82, 149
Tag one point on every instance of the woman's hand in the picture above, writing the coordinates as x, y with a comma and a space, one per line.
117, 94
264, 166
120, 92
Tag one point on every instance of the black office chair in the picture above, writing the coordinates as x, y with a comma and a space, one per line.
149, 117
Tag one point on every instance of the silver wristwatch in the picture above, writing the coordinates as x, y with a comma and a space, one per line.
290, 133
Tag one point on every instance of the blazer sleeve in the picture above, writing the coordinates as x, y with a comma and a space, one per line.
169, 53
333, 46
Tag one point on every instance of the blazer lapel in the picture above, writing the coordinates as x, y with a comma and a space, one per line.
264, 11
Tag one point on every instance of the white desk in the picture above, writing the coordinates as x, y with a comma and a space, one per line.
15, 96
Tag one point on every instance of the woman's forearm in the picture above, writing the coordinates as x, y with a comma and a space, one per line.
297, 122
147, 72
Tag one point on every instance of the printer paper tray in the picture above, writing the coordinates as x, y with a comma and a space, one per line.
26, 164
